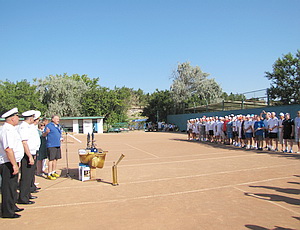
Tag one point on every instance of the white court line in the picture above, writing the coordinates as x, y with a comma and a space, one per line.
272, 202
180, 177
155, 196
207, 174
167, 157
182, 161
142, 150
192, 160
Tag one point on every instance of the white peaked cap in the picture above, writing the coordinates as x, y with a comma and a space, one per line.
37, 114
28, 113
10, 113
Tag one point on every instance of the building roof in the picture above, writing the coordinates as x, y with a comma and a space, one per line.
80, 118
70, 118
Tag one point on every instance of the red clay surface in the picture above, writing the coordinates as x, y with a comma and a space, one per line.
166, 182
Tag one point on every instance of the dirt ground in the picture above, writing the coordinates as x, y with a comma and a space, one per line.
167, 182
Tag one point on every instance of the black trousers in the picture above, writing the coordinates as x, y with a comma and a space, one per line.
33, 186
26, 179
9, 187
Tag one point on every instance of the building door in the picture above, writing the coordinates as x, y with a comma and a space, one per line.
95, 126
80, 124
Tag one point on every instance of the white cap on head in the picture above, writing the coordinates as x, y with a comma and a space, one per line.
281, 114
10, 113
37, 114
28, 113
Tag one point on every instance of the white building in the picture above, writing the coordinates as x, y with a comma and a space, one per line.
82, 124
79, 124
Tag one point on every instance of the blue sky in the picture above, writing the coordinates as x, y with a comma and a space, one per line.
138, 43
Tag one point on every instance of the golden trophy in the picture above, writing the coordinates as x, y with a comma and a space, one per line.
114, 171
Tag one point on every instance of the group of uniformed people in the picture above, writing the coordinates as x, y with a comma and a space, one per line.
19, 144
248, 131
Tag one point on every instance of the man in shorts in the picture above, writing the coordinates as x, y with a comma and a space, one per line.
297, 130
53, 134
273, 131
288, 132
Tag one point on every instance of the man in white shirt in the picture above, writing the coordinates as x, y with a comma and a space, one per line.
34, 144
11, 153
273, 125
266, 123
27, 163
248, 129
280, 127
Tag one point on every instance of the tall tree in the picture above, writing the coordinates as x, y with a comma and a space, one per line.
189, 81
285, 79
21, 95
62, 94
112, 104
160, 104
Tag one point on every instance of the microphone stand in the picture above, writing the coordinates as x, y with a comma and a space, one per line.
67, 155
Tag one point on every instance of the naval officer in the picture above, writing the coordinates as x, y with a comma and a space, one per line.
34, 147
11, 153
27, 163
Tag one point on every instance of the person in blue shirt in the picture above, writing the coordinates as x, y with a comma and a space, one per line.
53, 135
259, 128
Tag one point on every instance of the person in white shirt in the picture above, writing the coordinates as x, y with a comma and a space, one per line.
11, 153
211, 129
266, 123
234, 131
273, 131
36, 142
27, 163
219, 130
248, 129
207, 122
297, 130
280, 127
189, 128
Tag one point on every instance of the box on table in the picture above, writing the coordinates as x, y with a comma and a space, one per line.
84, 172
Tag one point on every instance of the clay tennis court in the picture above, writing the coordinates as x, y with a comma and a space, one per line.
167, 182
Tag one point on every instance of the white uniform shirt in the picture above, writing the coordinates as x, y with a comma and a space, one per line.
266, 122
26, 132
211, 125
234, 126
206, 126
10, 138
219, 126
189, 126
247, 125
273, 124
34, 141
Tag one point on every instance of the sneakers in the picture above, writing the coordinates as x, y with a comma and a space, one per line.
55, 175
291, 151
50, 177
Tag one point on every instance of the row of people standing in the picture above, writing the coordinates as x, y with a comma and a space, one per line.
248, 131
19, 147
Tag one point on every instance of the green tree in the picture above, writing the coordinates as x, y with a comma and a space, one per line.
189, 81
62, 94
112, 104
233, 97
160, 104
285, 79
21, 95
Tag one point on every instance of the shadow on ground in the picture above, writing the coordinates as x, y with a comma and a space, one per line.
256, 227
283, 190
230, 147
